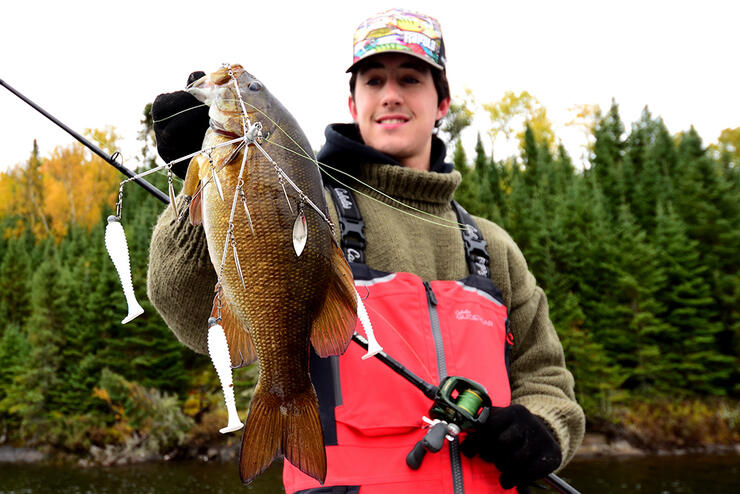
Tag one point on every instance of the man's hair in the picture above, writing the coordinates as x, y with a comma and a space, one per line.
439, 77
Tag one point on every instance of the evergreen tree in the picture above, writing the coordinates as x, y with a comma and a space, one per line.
467, 192
28, 397
650, 158
15, 275
495, 173
709, 202
561, 173
15, 352
481, 169
607, 157
639, 279
695, 364
531, 159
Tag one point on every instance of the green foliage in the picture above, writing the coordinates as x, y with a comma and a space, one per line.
637, 254
61, 305
143, 418
663, 423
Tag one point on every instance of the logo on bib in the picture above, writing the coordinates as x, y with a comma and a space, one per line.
467, 315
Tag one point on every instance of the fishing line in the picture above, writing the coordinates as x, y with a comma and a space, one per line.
380, 315
323, 166
178, 113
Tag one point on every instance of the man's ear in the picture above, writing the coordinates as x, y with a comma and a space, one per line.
443, 108
353, 107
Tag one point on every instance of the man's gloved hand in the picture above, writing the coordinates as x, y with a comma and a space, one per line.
179, 130
518, 443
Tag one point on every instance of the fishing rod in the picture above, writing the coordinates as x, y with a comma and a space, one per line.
436, 393
92, 147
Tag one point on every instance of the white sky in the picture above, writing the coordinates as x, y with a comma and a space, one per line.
97, 63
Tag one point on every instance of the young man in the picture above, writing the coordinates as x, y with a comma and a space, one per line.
492, 326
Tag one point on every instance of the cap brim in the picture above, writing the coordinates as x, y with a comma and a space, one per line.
404, 52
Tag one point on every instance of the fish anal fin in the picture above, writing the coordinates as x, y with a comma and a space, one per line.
241, 347
290, 426
335, 323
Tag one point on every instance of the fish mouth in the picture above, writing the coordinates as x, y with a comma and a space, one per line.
218, 91
209, 88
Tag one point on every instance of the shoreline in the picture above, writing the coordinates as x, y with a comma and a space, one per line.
594, 445
598, 444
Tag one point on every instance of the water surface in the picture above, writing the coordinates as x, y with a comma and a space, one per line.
660, 475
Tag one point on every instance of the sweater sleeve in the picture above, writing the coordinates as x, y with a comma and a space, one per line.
181, 278
539, 378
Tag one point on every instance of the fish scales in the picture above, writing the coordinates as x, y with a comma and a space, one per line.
286, 300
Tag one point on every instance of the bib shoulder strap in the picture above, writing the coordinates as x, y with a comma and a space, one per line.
475, 245
353, 241
351, 225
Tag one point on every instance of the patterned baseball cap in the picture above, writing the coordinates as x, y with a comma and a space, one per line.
400, 31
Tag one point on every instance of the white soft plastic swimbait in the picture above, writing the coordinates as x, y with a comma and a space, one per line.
115, 243
218, 349
373, 347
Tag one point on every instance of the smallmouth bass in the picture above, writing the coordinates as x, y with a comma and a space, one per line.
284, 283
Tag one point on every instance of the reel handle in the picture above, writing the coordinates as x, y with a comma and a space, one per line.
432, 441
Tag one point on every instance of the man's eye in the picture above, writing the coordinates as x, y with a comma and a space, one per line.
374, 81
410, 80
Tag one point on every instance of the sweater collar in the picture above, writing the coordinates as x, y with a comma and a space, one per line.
428, 190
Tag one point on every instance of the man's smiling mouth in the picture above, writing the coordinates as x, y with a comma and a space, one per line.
394, 119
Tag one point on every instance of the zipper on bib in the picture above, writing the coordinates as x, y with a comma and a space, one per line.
436, 331
455, 461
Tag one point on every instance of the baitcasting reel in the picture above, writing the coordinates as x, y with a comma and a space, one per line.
459, 405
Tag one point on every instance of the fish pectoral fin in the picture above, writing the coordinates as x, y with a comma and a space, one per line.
270, 431
231, 153
241, 347
333, 327
192, 177
195, 212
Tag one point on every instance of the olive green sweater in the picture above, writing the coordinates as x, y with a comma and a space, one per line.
181, 280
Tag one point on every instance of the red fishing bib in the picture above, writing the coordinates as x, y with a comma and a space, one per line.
371, 416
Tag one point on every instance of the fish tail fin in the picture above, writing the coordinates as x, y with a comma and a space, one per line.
333, 327
291, 427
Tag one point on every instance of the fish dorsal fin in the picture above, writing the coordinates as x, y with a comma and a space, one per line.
333, 327
241, 346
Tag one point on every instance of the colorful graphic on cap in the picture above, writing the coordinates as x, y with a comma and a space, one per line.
400, 31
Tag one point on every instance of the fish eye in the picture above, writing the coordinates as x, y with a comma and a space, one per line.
255, 86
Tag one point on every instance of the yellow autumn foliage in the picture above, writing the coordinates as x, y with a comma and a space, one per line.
69, 187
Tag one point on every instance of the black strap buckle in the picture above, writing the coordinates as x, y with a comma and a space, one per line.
353, 239
475, 245
351, 226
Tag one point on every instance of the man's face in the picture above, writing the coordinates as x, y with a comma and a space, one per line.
395, 107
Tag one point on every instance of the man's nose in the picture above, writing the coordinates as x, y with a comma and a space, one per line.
392, 94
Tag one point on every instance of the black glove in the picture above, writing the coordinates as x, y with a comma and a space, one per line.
179, 134
518, 443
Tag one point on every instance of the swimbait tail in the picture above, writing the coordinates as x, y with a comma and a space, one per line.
373, 347
115, 243
218, 349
